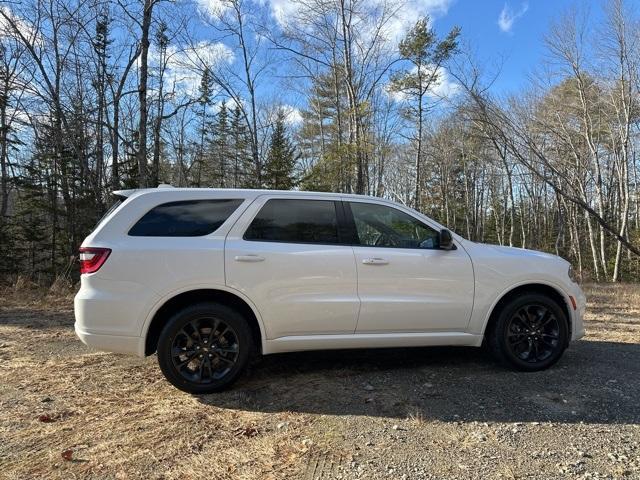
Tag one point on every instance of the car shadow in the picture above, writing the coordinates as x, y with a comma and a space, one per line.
35, 318
594, 382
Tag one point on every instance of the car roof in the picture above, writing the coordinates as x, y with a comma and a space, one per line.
250, 193
167, 191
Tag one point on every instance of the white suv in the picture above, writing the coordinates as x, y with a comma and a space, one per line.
208, 277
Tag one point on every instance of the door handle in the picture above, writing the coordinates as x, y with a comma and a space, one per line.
248, 258
375, 261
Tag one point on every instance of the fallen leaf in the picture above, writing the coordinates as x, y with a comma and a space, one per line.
68, 455
246, 432
45, 418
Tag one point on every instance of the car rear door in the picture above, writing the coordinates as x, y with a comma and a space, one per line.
405, 282
287, 255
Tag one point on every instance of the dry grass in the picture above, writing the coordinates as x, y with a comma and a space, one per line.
115, 416
613, 311
68, 412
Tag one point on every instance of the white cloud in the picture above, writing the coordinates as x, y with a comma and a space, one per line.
23, 26
443, 88
185, 66
293, 115
409, 13
210, 10
288, 12
508, 16
205, 53
284, 11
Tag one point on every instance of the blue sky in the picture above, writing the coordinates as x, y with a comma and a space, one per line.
504, 35
521, 47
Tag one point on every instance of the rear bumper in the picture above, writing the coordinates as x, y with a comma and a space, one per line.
108, 314
111, 343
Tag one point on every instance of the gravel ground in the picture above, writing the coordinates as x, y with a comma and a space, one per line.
68, 412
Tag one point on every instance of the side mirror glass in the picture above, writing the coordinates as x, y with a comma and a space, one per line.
446, 240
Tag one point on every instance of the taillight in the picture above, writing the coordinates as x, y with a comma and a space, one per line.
92, 258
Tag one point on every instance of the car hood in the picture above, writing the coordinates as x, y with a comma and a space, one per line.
521, 252
499, 255
516, 264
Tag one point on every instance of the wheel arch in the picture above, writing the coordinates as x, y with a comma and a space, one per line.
174, 302
551, 291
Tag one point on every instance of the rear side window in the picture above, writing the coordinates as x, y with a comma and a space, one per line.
189, 218
295, 221
113, 206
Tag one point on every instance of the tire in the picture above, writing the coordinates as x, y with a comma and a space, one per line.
204, 348
530, 333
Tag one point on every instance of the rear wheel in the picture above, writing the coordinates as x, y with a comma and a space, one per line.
530, 333
204, 348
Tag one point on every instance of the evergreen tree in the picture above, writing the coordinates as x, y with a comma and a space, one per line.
324, 136
242, 166
205, 100
101, 43
221, 146
129, 175
426, 55
281, 161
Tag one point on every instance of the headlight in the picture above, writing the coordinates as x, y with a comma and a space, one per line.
572, 275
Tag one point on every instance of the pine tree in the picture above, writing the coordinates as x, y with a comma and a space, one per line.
101, 43
205, 100
221, 146
426, 55
279, 171
242, 166
324, 136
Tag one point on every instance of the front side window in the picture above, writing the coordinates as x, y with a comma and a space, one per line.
382, 226
295, 221
189, 218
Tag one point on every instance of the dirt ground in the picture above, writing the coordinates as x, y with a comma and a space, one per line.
69, 412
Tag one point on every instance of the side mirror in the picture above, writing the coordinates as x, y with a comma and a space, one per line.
446, 240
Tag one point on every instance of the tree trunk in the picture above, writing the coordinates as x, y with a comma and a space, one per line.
142, 93
4, 149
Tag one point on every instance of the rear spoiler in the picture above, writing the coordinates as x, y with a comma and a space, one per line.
124, 194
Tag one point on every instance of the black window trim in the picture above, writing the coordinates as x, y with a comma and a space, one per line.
207, 199
340, 219
347, 231
352, 226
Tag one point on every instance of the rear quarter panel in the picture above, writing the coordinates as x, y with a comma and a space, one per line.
149, 269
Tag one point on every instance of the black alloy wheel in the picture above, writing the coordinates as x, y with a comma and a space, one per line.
205, 350
533, 333
530, 332
204, 347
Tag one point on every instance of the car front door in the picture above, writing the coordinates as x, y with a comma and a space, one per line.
406, 283
287, 255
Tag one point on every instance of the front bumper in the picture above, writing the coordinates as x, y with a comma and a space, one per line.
578, 331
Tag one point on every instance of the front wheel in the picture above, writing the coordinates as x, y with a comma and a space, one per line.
204, 347
530, 333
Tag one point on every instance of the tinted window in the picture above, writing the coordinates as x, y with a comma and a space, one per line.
381, 226
191, 218
115, 205
296, 221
